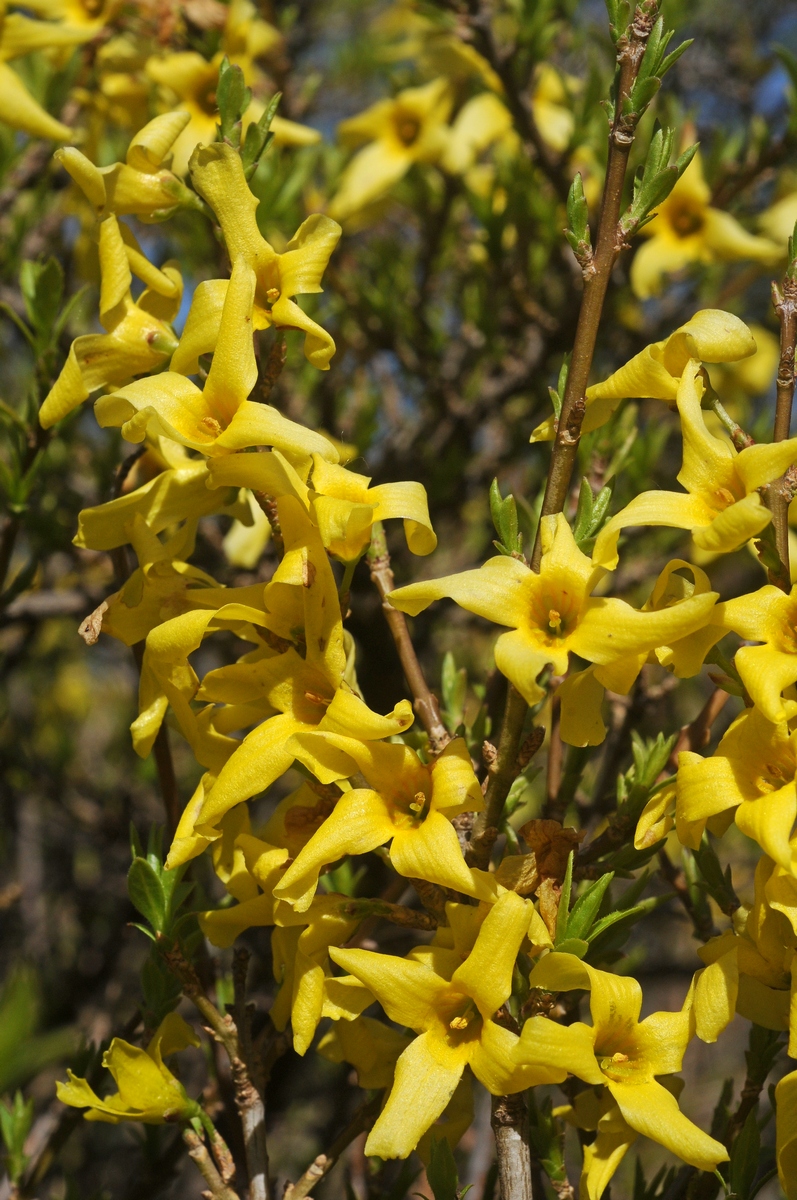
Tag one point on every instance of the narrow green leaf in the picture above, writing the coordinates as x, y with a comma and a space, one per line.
562, 915
586, 907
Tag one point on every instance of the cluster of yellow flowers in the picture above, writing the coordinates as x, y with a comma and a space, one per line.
292, 697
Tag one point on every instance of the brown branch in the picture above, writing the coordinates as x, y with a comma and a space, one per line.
609, 243
785, 304
363, 1119
248, 1097
197, 1150
397, 914
502, 772
271, 370
702, 922
509, 1118
224, 1029
553, 779
424, 700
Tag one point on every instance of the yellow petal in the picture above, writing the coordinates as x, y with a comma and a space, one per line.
570, 1048
370, 174
114, 267
260, 759
261, 425
218, 176
498, 590
769, 820
486, 974
758, 465
602, 1158
150, 145
786, 1133
496, 1063
371, 1046
581, 699
222, 926
427, 1074
408, 991
610, 628
521, 660
307, 254
319, 346
202, 325
233, 372
705, 787
431, 851
407, 500
734, 527
358, 824
678, 510
662, 256
715, 996
653, 1111
88, 177
765, 673
19, 110
729, 240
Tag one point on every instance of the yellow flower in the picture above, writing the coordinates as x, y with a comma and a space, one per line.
301, 947
177, 491
751, 376
192, 80
409, 129
554, 614
752, 972
549, 106
141, 185
88, 15
407, 803
148, 1091
218, 176
20, 35
710, 336
303, 685
769, 616
750, 777
248, 867
341, 503
218, 418
686, 229
453, 1015
373, 1049
481, 121
433, 46
722, 505
138, 338
778, 221
786, 1134
623, 1054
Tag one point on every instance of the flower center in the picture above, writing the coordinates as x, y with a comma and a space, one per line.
619, 1065
774, 776
687, 221
210, 425
407, 129
205, 96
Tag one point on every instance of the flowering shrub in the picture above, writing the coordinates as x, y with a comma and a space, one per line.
381, 861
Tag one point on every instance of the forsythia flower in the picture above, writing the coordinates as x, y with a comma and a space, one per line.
218, 418
786, 1134
142, 184
407, 803
340, 502
686, 229
710, 336
549, 106
453, 1016
722, 505
218, 176
769, 616
753, 973
138, 338
623, 1054
750, 777
148, 1091
178, 490
409, 129
19, 35
553, 613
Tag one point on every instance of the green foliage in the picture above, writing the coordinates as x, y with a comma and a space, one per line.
23, 1049
157, 892
546, 1136
591, 514
442, 1173
577, 232
503, 511
259, 137
233, 98
655, 179
15, 1122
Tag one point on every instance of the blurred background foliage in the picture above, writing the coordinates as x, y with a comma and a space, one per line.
452, 301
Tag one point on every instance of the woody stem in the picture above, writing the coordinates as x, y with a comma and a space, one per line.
785, 302
597, 272
424, 700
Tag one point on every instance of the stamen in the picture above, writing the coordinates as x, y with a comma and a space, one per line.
418, 804
314, 698
211, 424
554, 621
459, 1023
725, 496
272, 294
619, 1057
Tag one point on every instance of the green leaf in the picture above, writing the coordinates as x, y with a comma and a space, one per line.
586, 907
562, 915
744, 1158
42, 286
15, 1123
442, 1171
232, 100
503, 511
146, 892
258, 137
573, 945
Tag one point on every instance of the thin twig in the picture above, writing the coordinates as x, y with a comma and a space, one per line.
502, 773
363, 1119
248, 1097
197, 1150
785, 303
424, 700
609, 243
509, 1118
271, 370
702, 921
697, 735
